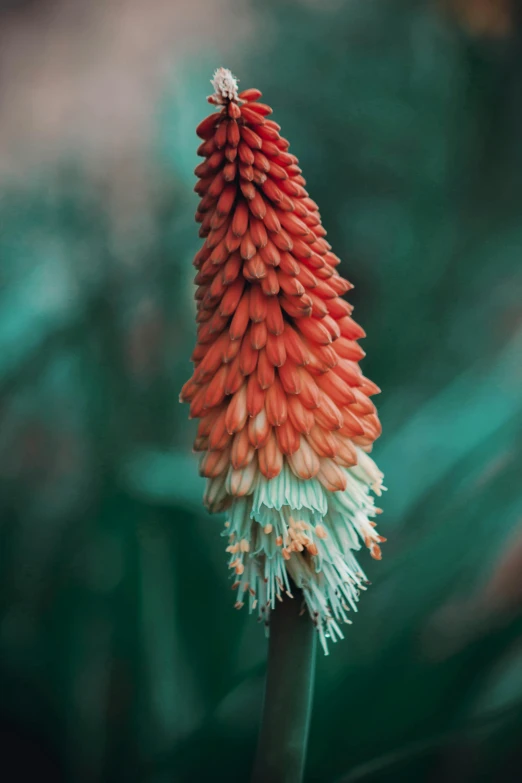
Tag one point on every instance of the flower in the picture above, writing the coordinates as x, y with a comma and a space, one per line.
286, 420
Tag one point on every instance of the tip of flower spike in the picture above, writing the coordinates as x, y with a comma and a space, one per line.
225, 86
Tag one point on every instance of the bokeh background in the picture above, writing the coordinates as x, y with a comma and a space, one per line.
121, 658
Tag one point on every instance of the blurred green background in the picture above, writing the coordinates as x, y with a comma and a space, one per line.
121, 657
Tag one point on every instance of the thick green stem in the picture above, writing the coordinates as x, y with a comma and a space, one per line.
283, 738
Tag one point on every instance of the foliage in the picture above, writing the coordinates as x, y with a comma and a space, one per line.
120, 655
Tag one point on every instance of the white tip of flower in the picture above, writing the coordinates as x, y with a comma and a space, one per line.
225, 86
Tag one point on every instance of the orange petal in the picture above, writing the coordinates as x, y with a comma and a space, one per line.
271, 220
288, 264
304, 462
231, 153
248, 249
372, 426
298, 307
235, 377
245, 153
242, 451
240, 320
252, 117
257, 206
340, 285
212, 360
335, 388
346, 453
270, 283
258, 232
207, 422
258, 304
290, 285
226, 200
255, 269
240, 219
368, 387
291, 380
322, 442
338, 308
352, 426
276, 406
332, 476
263, 110
215, 188
233, 135
307, 278
197, 406
232, 297
219, 254
216, 388
246, 171
270, 149
292, 224
220, 136
255, 396
250, 95
206, 148
232, 267
282, 240
274, 317
332, 326
270, 254
249, 136
216, 290
214, 463
247, 355
288, 438
258, 335
259, 429
309, 394
349, 349
247, 189
295, 346
231, 350
319, 306
325, 354
314, 330
275, 349
218, 232
206, 127
219, 437
189, 390
327, 414
265, 370
277, 171
301, 418
261, 162
270, 458
272, 192
363, 406
348, 371
229, 171
240, 482
350, 329
236, 415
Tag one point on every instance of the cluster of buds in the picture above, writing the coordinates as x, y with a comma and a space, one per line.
286, 421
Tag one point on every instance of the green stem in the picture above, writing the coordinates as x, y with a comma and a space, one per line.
287, 708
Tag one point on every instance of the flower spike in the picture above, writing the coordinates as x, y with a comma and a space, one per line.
286, 420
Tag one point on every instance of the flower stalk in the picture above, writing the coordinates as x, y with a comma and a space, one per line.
283, 736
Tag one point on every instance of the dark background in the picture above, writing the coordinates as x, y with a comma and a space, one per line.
121, 658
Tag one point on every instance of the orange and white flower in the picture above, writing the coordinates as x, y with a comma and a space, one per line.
286, 420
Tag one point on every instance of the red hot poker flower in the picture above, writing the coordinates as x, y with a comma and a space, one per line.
286, 420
